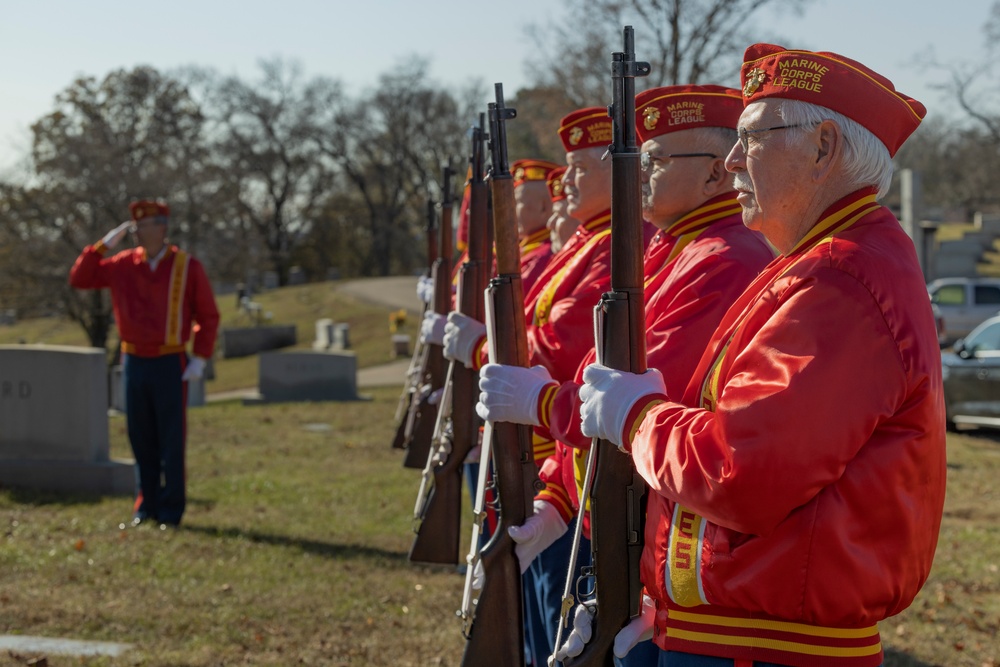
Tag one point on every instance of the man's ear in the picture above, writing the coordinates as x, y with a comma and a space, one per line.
718, 180
829, 144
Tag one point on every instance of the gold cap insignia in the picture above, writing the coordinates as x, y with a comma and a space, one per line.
755, 79
650, 117
575, 135
519, 174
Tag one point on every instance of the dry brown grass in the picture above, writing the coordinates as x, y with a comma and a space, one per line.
294, 552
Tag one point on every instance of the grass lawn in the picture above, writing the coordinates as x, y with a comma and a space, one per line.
293, 552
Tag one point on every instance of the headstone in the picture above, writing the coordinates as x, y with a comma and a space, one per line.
245, 341
8, 317
324, 334
54, 421
307, 376
333, 273
341, 336
296, 276
401, 345
270, 280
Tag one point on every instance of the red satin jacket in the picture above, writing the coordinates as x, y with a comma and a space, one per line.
796, 490
156, 311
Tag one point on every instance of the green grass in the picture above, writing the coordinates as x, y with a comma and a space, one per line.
294, 552
300, 305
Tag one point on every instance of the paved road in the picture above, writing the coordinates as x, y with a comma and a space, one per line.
392, 292
397, 292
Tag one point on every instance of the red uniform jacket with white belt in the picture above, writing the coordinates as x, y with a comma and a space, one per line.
156, 311
796, 488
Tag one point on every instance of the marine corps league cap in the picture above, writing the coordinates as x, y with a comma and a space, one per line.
673, 108
554, 181
147, 208
530, 170
835, 82
586, 128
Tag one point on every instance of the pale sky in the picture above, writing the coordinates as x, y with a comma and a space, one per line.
46, 44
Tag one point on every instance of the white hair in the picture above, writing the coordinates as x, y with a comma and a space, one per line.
719, 140
866, 159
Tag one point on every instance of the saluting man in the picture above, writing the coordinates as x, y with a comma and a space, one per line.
161, 295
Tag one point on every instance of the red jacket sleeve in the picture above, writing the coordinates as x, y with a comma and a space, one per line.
90, 271
205, 314
565, 338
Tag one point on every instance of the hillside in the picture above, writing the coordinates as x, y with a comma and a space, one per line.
301, 305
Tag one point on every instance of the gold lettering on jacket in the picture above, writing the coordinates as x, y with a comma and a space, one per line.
684, 558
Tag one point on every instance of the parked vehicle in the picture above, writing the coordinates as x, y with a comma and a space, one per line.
939, 325
964, 302
972, 377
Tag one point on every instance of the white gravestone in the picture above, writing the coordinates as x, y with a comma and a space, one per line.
54, 421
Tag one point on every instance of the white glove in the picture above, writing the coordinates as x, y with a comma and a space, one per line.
510, 393
195, 368
583, 619
115, 236
607, 397
425, 289
432, 328
538, 533
639, 629
435, 396
478, 576
461, 337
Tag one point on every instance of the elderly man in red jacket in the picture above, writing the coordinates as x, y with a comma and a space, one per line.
797, 483
161, 296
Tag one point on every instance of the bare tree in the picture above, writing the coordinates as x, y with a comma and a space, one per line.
389, 148
959, 157
264, 144
105, 144
685, 41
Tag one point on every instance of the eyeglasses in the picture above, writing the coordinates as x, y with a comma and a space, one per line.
648, 160
744, 133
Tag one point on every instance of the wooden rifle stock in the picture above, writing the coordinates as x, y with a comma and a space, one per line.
496, 637
617, 497
434, 368
415, 372
437, 539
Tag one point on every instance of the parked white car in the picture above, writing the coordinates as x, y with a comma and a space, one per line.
964, 302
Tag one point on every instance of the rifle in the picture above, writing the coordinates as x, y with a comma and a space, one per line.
414, 370
617, 497
496, 635
440, 512
424, 413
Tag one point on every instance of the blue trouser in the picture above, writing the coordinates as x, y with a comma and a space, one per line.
546, 577
154, 410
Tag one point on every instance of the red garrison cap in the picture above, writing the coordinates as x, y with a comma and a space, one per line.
586, 128
147, 208
835, 82
530, 170
674, 108
554, 181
